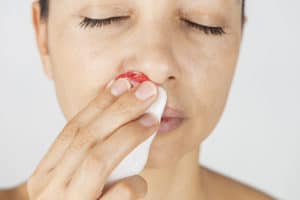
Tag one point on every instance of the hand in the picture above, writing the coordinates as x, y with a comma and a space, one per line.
92, 144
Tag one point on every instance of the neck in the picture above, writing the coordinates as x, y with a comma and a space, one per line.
180, 181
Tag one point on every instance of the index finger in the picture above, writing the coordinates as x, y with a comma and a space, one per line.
64, 139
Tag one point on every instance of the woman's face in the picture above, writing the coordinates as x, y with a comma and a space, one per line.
195, 68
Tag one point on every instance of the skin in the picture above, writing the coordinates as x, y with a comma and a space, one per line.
196, 70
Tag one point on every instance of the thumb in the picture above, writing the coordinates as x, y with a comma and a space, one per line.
129, 188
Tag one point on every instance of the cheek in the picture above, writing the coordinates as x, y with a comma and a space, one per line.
210, 80
81, 69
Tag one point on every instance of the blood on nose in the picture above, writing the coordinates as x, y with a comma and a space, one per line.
135, 76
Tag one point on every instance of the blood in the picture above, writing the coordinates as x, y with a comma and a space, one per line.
135, 76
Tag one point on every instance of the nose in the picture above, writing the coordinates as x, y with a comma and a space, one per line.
151, 53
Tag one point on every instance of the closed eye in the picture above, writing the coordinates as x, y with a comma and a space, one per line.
213, 30
89, 22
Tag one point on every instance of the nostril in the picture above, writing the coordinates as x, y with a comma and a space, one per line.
171, 77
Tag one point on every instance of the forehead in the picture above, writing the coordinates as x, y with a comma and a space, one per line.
207, 4
201, 7
195, 2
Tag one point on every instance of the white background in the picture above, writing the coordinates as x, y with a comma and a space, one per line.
256, 141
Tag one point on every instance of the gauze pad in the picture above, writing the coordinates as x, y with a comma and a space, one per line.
135, 161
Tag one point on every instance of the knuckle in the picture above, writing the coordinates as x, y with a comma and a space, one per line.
85, 137
99, 103
72, 126
126, 191
96, 160
125, 107
122, 105
69, 131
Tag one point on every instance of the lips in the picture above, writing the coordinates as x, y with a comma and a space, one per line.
169, 124
171, 120
170, 112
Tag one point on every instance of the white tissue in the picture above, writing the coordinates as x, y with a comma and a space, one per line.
135, 161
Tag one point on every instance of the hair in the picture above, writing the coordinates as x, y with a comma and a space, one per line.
44, 4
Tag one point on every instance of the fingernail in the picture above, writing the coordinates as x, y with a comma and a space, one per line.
120, 86
146, 90
148, 120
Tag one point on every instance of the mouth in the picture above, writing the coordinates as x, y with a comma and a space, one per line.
172, 119
170, 112
169, 124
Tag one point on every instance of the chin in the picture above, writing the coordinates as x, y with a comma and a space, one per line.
174, 147
169, 155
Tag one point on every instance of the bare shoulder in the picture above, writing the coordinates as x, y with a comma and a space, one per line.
7, 194
19, 192
220, 187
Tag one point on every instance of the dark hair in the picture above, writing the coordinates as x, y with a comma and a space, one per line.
44, 4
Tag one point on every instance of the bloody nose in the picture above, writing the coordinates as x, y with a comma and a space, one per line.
135, 76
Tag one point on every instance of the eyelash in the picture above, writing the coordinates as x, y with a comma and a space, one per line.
214, 30
88, 22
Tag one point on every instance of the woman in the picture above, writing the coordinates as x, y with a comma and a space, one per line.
190, 48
